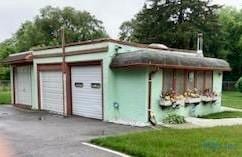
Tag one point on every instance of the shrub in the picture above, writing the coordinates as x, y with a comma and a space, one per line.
174, 119
238, 84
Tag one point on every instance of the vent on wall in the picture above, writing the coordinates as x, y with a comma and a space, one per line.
158, 46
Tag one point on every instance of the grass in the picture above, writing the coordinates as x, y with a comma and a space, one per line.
226, 114
206, 142
232, 99
5, 97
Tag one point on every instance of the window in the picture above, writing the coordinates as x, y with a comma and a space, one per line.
181, 80
200, 81
167, 79
190, 80
208, 80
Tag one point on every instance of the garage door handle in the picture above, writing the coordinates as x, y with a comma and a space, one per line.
78, 84
96, 85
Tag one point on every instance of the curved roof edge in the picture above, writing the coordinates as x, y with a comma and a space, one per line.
162, 59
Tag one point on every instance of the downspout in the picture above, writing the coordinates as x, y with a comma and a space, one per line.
151, 116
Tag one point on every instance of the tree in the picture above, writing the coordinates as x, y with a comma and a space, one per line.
238, 85
44, 31
6, 47
29, 36
230, 19
127, 31
79, 25
176, 23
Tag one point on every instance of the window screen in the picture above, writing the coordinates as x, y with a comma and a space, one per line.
190, 79
167, 79
209, 80
200, 81
180, 81
193, 79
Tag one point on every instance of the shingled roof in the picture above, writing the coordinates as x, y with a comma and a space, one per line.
166, 59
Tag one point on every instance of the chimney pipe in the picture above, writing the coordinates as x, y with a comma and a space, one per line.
200, 44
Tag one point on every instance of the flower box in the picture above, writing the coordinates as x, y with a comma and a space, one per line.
192, 100
215, 98
165, 103
206, 99
180, 102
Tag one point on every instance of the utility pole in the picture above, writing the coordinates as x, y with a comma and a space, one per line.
63, 71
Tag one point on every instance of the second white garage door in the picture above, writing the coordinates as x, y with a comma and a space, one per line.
51, 89
87, 91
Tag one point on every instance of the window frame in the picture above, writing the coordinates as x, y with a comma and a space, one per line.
185, 79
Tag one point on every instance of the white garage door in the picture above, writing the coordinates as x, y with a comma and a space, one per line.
23, 86
51, 91
87, 91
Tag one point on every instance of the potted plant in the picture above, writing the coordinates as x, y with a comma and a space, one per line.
192, 96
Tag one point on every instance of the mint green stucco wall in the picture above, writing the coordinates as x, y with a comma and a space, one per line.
129, 91
156, 92
115, 83
191, 110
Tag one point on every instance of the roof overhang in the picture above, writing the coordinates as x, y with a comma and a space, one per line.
165, 59
19, 58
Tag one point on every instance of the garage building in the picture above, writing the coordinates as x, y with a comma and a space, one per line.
115, 81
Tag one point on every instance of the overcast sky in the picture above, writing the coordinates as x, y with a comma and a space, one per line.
111, 12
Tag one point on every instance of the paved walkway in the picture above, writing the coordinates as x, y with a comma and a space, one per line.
224, 108
214, 122
193, 122
39, 134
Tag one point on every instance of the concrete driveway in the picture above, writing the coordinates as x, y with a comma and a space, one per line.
39, 134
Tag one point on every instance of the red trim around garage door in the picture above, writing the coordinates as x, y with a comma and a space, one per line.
45, 67
14, 66
69, 85
58, 67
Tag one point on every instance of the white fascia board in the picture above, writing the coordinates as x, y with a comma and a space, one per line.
20, 53
71, 48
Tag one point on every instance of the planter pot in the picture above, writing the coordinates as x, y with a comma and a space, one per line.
165, 103
168, 104
206, 99
215, 98
192, 100
180, 102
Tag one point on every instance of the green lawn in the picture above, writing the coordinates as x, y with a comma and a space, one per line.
5, 97
206, 142
232, 99
226, 114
